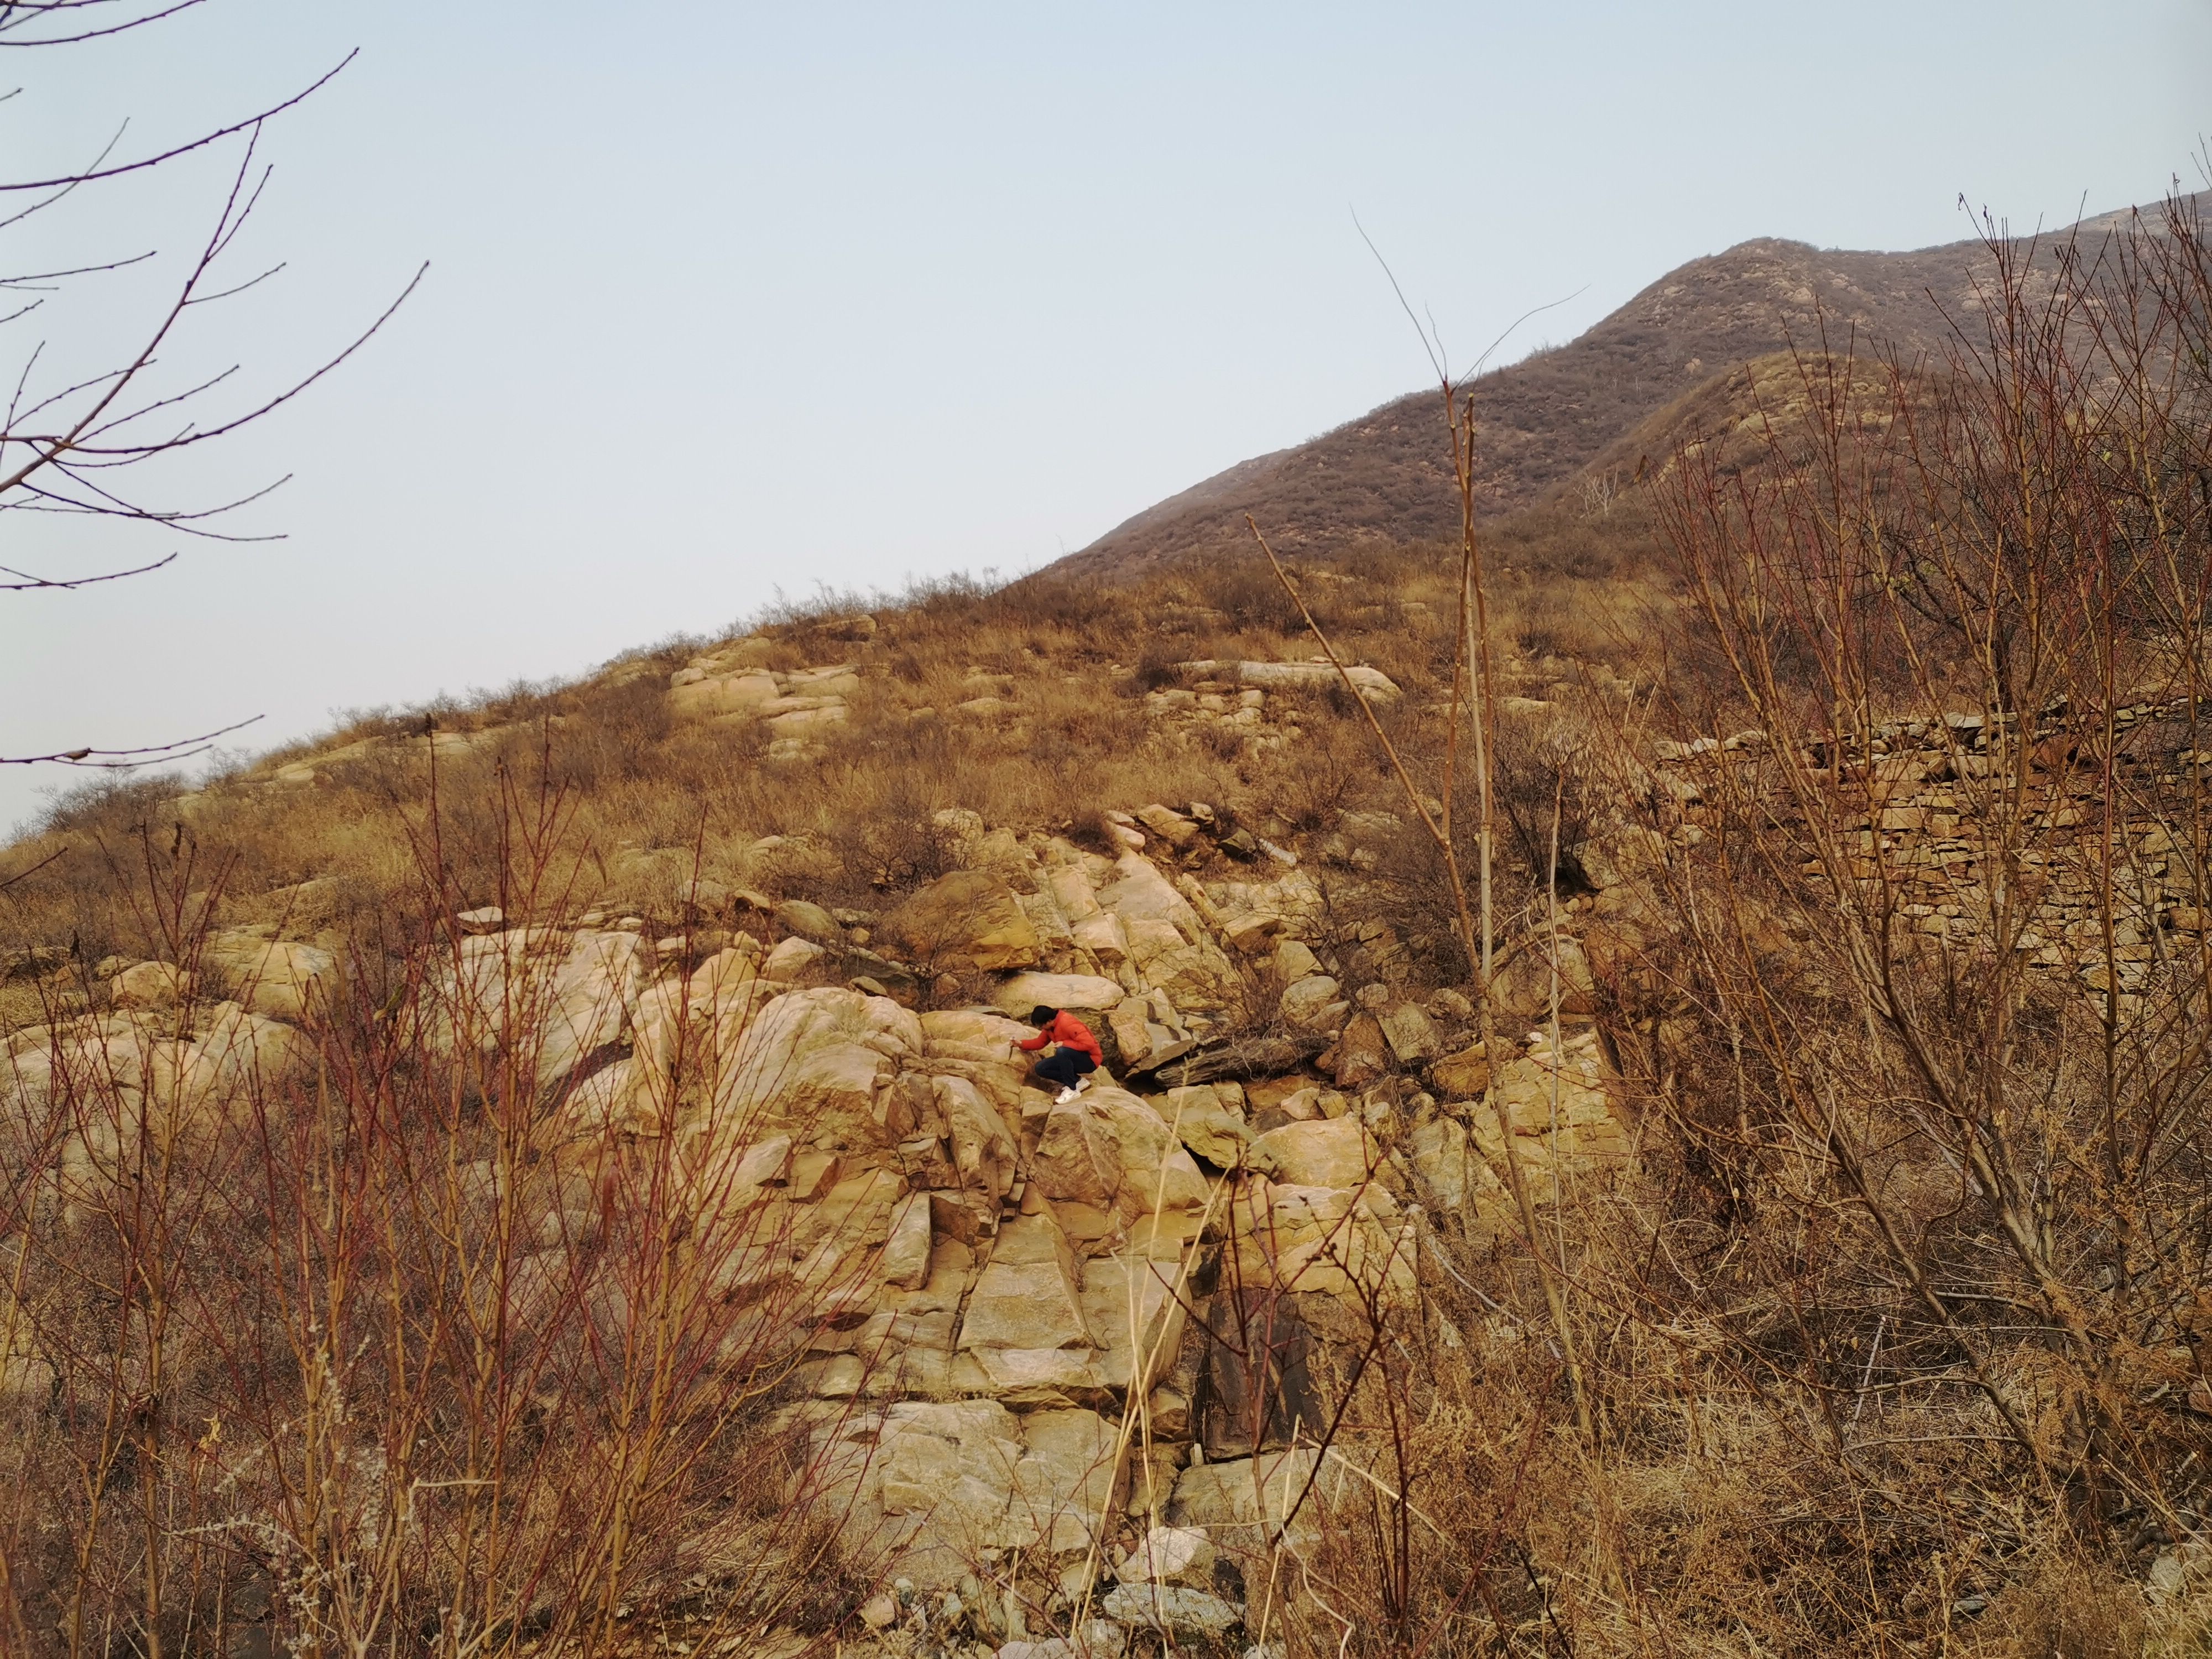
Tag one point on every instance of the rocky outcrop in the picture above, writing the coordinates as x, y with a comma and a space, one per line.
109, 1086
1207, 1128
148, 985
822, 1066
996, 1324
940, 1485
1084, 992
1313, 674
730, 685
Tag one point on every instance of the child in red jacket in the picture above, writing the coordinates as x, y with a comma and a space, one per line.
1068, 1067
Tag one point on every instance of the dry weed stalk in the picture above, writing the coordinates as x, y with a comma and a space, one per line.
1473, 700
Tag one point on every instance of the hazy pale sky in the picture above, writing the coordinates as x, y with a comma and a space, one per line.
725, 297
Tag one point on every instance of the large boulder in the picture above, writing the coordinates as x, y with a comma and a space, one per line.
593, 991
1318, 676
1078, 1157
1135, 1305
567, 995
1133, 1122
279, 979
1197, 976
1168, 1555
1171, 1609
1130, 1022
1026, 991
1525, 988
1246, 1504
1100, 933
792, 959
1139, 892
1066, 1483
1410, 1032
146, 985
84, 1059
237, 1056
1442, 1171
1207, 1128
1557, 1110
927, 1483
1362, 1053
1169, 825
1157, 1175
1351, 1243
1464, 1075
969, 919
1031, 1377
1322, 1152
622, 1098
713, 698
979, 1045
1312, 1004
1168, 1206
905, 1251
687, 1026
722, 1185
857, 1214
983, 1152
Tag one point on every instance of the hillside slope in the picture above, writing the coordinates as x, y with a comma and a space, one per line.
1385, 475
566, 1155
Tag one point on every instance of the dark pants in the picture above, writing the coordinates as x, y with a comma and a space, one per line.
1064, 1066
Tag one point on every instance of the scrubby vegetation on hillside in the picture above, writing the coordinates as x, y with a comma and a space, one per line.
1069, 665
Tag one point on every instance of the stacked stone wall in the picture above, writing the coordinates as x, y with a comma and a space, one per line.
2078, 838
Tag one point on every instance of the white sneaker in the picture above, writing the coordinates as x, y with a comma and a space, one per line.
1081, 1084
1065, 1096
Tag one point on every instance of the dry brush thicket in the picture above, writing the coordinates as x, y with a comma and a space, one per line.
1656, 1061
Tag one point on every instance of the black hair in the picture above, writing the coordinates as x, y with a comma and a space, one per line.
1042, 1015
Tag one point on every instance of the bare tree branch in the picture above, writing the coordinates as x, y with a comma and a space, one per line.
29, 871
92, 175
14, 17
125, 759
26, 581
89, 424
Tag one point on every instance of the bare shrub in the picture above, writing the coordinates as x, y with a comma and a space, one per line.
399, 1353
1939, 1085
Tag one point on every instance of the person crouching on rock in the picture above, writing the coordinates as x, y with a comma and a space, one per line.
1068, 1067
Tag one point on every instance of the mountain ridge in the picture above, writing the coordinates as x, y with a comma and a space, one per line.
1382, 476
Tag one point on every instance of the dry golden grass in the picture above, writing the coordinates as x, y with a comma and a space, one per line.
647, 799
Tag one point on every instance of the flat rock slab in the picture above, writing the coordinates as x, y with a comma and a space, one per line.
1026, 991
1171, 1609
